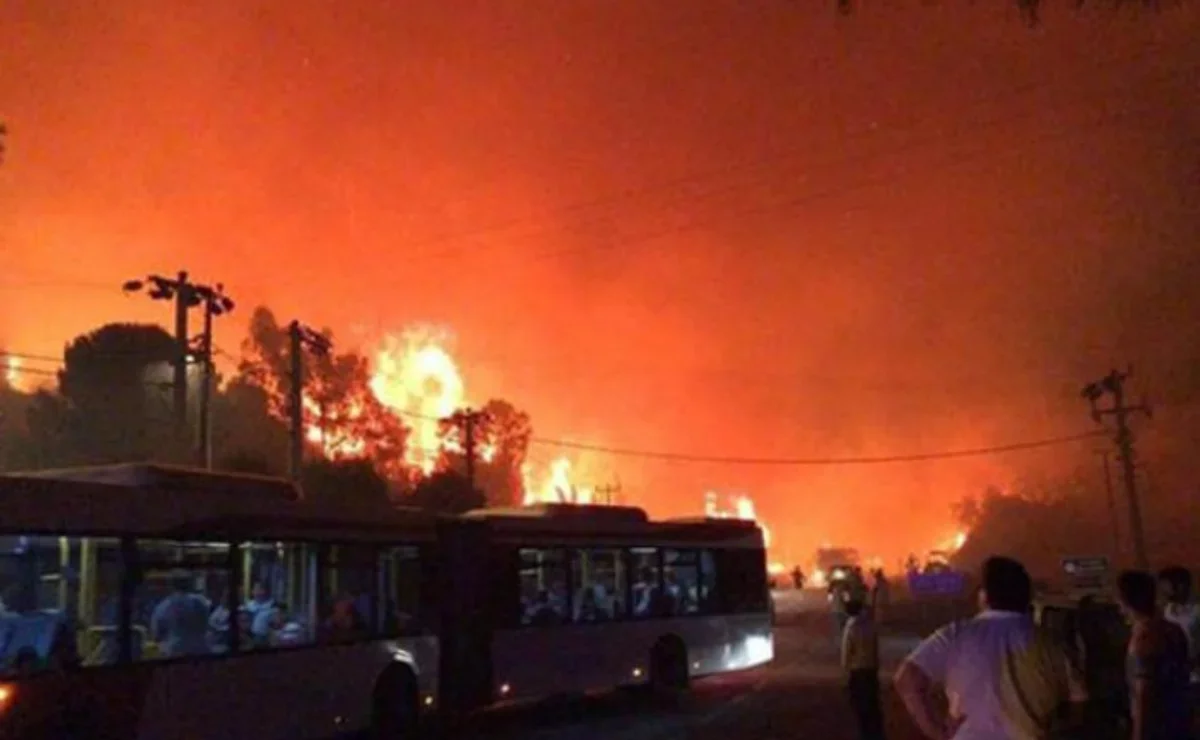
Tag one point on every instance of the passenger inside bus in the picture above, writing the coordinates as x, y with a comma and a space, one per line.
543, 611
60, 598
650, 598
260, 598
180, 621
344, 623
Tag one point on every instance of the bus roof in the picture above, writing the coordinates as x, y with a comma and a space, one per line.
175, 478
616, 524
167, 501
560, 512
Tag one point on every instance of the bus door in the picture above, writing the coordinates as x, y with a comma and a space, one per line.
466, 589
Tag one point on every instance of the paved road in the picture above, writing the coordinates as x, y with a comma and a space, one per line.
798, 696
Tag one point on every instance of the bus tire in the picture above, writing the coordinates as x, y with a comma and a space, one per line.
669, 675
395, 707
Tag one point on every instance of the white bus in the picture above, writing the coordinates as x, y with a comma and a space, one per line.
157, 603
118, 585
567, 598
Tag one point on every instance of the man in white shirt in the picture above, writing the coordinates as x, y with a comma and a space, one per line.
973, 663
1176, 585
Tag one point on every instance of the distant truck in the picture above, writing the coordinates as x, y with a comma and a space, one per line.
834, 563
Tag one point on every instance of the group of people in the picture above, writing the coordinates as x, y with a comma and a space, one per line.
1002, 676
186, 623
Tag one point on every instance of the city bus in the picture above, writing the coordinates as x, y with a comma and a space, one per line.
150, 602
570, 598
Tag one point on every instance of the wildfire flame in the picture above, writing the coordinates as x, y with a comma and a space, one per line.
335, 448
415, 375
12, 372
743, 508
557, 486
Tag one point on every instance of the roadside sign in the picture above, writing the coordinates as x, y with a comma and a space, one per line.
1084, 567
943, 583
1086, 574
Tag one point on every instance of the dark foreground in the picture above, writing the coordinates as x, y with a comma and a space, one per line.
798, 696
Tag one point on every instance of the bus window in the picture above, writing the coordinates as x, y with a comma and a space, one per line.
281, 609
708, 583
349, 586
598, 577
649, 597
544, 598
681, 574
177, 585
400, 585
58, 598
742, 579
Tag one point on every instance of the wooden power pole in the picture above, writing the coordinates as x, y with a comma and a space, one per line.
300, 338
1113, 385
468, 422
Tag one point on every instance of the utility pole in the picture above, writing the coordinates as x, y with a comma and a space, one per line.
1112, 503
1113, 385
468, 421
216, 303
607, 494
185, 296
300, 338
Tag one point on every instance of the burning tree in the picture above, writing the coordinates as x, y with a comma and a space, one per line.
343, 417
502, 446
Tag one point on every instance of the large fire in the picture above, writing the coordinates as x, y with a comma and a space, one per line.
743, 508
558, 487
12, 371
415, 375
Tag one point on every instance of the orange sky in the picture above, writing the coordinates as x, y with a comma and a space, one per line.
714, 226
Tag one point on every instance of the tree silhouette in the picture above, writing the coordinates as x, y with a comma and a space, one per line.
116, 408
345, 485
1038, 524
246, 437
445, 492
14, 433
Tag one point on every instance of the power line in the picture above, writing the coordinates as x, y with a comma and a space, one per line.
820, 461
793, 461
963, 130
761, 461
61, 360
710, 220
20, 370
770, 162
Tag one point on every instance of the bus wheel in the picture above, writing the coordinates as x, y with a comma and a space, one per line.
669, 666
394, 712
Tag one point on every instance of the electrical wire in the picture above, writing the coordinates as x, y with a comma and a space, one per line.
685, 457
823, 461
914, 144
771, 162
800, 461
41, 372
